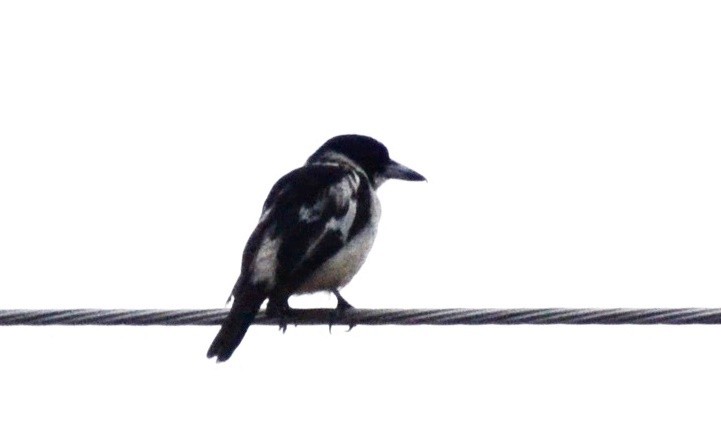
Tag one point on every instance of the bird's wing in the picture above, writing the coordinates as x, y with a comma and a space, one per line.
308, 216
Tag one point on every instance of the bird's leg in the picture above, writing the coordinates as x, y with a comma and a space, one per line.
342, 303
278, 307
340, 309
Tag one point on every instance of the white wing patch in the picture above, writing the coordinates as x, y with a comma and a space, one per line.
342, 194
312, 213
266, 263
265, 214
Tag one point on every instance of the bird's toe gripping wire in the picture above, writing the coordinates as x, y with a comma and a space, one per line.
339, 311
282, 312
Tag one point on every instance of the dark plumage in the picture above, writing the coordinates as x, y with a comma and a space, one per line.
317, 227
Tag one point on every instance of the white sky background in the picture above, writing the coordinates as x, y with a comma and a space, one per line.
572, 151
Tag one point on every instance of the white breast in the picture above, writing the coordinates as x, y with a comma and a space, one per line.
337, 271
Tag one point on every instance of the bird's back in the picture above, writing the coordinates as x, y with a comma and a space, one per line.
310, 215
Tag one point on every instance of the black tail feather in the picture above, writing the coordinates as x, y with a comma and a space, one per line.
242, 313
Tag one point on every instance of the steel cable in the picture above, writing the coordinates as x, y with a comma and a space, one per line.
540, 316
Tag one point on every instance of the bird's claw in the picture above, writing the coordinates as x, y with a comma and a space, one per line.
338, 313
282, 312
283, 319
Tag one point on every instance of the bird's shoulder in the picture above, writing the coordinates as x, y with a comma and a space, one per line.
312, 189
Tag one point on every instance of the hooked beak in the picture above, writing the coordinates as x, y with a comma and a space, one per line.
401, 172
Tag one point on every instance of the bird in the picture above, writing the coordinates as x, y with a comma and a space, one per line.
315, 231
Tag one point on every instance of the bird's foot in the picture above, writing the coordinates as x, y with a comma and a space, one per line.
283, 322
282, 313
339, 312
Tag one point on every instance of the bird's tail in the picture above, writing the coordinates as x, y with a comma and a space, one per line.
241, 316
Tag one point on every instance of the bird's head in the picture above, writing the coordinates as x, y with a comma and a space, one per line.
367, 154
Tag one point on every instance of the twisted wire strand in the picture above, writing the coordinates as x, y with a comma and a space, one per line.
459, 316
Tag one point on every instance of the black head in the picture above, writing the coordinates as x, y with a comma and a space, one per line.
367, 153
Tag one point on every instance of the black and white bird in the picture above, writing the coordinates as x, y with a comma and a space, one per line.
316, 229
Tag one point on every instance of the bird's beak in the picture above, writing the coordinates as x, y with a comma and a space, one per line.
401, 172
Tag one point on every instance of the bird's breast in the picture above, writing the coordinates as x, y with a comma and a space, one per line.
340, 268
